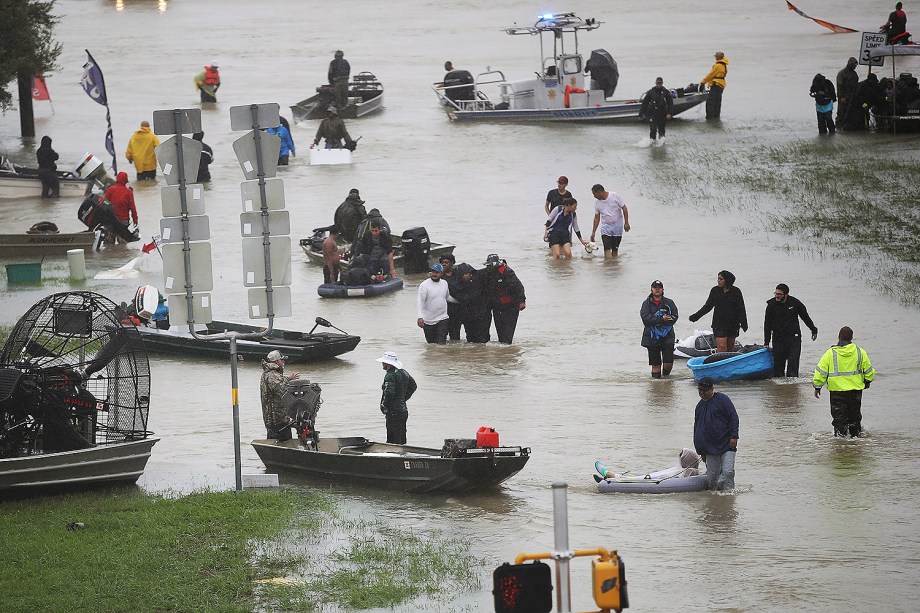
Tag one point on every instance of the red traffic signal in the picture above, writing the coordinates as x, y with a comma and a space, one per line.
523, 588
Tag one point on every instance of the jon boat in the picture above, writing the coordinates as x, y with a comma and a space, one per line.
429, 251
894, 118
700, 343
74, 397
396, 467
23, 182
365, 96
298, 346
41, 244
753, 363
337, 290
559, 91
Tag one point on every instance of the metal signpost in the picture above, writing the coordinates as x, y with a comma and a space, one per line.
185, 230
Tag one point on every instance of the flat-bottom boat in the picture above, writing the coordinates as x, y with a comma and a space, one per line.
298, 346
396, 467
755, 362
365, 96
113, 463
44, 243
23, 182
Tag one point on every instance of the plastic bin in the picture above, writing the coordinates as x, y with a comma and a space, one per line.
30, 272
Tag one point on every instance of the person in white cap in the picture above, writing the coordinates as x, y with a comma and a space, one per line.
207, 82
272, 387
398, 387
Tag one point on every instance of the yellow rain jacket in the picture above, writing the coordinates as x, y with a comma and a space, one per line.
140, 150
844, 368
716, 76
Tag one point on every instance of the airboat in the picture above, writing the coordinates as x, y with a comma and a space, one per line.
559, 91
74, 396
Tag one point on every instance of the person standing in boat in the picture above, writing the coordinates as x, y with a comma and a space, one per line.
207, 156
47, 169
505, 295
398, 387
715, 79
822, 90
333, 129
207, 82
555, 196
141, 152
847, 80
656, 107
122, 198
715, 435
728, 313
331, 256
612, 215
349, 215
272, 388
339, 72
562, 221
781, 321
847, 370
432, 306
658, 316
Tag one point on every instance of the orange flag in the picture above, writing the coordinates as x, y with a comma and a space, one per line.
821, 22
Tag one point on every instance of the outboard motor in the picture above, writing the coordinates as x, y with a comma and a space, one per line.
452, 82
415, 248
93, 169
302, 400
96, 211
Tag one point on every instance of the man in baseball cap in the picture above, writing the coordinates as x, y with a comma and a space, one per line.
272, 387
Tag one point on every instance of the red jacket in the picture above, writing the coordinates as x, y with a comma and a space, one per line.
122, 199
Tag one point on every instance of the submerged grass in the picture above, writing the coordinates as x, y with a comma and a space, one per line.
213, 551
844, 200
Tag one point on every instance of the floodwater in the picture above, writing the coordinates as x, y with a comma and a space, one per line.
816, 524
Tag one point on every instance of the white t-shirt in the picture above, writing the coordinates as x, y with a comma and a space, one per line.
611, 211
432, 301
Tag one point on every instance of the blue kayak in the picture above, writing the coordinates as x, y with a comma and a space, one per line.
732, 365
334, 290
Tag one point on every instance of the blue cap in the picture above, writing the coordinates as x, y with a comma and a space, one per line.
705, 383
437, 268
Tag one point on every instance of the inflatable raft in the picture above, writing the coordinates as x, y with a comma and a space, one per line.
751, 363
680, 478
335, 290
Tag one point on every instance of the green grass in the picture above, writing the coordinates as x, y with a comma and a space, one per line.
840, 199
208, 551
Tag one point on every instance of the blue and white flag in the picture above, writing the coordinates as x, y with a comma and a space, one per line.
94, 85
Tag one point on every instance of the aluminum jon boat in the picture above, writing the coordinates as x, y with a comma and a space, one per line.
396, 467
731, 365
559, 91
365, 96
23, 182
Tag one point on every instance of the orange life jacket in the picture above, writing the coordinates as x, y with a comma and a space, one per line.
211, 76
571, 90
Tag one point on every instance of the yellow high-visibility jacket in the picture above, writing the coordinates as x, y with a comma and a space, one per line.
717, 75
844, 368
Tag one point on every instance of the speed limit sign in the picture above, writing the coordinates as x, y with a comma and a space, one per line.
871, 40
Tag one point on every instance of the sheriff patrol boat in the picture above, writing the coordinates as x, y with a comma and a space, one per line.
559, 91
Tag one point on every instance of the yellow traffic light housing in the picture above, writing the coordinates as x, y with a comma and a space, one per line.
608, 577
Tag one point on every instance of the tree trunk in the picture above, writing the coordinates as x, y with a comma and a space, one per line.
26, 113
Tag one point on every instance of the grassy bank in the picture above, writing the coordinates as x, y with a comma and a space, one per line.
847, 199
216, 551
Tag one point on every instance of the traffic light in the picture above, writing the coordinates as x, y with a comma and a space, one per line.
523, 588
608, 576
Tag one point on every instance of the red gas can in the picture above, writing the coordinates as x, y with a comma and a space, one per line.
486, 437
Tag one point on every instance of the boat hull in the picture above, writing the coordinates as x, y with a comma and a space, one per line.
394, 467
365, 96
115, 463
25, 186
752, 365
624, 111
22, 245
696, 483
335, 290
298, 346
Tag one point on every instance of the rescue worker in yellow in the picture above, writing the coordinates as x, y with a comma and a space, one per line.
207, 82
141, 152
716, 82
847, 370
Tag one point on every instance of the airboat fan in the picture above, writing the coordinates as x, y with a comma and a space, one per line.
73, 375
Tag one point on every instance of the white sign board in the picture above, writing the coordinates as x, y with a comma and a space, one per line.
871, 40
